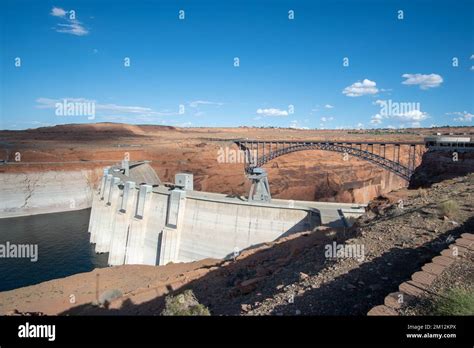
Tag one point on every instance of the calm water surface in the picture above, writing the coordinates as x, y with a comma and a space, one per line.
63, 248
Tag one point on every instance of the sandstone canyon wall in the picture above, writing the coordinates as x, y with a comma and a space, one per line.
440, 165
42, 192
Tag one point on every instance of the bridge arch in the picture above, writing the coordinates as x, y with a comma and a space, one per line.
258, 153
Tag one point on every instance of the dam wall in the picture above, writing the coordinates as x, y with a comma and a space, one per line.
139, 220
157, 224
216, 227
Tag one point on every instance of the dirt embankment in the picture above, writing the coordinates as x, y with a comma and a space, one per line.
291, 276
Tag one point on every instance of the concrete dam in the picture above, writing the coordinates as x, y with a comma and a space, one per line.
137, 219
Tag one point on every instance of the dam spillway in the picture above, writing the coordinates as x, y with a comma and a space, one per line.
139, 220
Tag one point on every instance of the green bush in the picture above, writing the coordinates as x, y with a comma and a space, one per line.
455, 302
448, 208
184, 304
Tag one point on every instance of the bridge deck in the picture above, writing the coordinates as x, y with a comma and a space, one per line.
329, 142
261, 141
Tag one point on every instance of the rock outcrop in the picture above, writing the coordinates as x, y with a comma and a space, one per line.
440, 165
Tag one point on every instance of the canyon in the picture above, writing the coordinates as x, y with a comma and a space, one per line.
75, 155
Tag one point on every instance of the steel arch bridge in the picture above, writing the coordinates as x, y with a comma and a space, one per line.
388, 155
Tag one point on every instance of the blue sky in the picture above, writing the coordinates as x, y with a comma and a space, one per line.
291, 71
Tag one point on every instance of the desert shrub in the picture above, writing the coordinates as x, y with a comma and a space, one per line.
470, 178
448, 208
423, 194
108, 296
184, 304
455, 302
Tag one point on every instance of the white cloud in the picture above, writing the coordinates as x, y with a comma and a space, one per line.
402, 112
47, 103
183, 124
411, 116
196, 103
376, 119
416, 124
58, 12
296, 125
463, 116
422, 80
107, 110
71, 26
328, 106
360, 125
326, 119
272, 112
359, 89
127, 109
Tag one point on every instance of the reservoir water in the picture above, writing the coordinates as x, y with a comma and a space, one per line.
63, 248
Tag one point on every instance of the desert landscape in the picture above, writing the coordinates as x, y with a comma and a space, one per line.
261, 280
234, 160
306, 175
